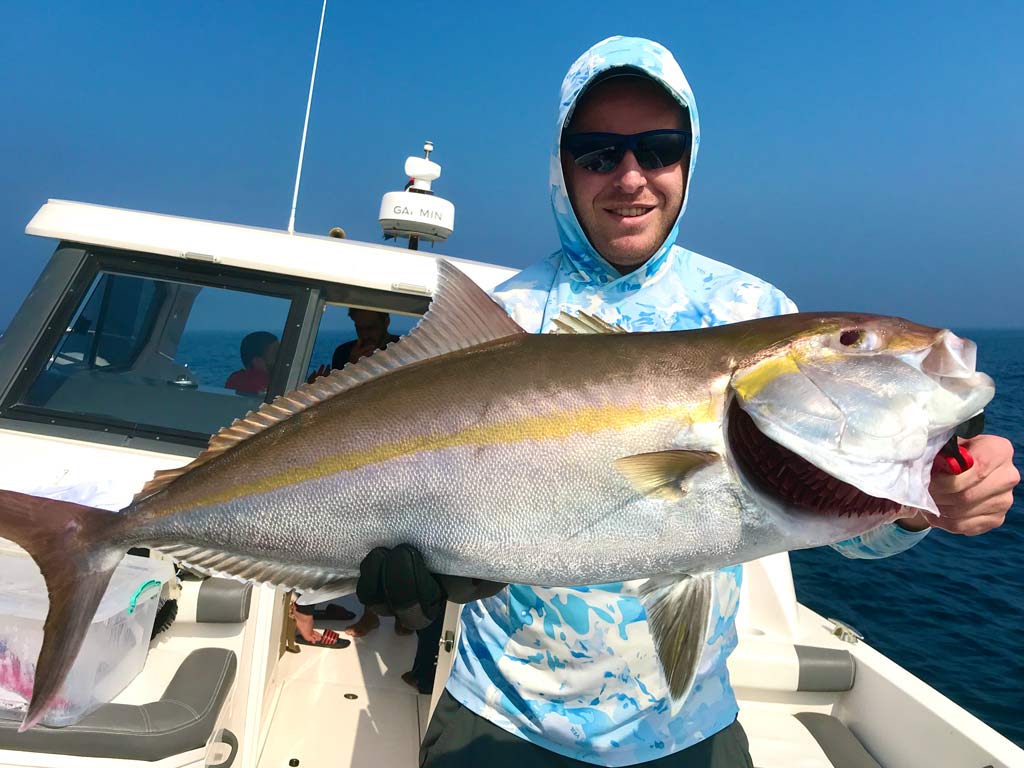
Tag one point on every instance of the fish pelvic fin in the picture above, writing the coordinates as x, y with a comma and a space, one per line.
678, 609
461, 316
75, 547
663, 474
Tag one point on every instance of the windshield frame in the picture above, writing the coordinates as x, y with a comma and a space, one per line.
66, 298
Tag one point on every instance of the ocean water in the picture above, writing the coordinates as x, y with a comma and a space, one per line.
951, 610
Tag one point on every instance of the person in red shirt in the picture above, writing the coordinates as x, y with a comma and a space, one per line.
258, 352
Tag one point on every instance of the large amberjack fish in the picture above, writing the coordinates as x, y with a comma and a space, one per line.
583, 457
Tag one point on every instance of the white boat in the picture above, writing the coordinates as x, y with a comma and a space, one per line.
95, 395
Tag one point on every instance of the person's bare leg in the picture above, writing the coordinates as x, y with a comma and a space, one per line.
368, 622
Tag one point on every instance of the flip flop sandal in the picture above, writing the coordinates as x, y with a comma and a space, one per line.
329, 639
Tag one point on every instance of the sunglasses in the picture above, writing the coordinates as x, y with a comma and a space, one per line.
602, 152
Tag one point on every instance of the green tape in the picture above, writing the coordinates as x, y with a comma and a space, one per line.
142, 588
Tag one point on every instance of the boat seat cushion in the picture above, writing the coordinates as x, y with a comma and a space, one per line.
803, 740
824, 669
180, 721
223, 601
764, 664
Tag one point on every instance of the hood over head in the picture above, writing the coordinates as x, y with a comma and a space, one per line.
635, 56
676, 289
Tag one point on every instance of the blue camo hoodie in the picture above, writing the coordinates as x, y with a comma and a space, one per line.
575, 670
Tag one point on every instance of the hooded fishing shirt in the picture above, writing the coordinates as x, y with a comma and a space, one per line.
574, 670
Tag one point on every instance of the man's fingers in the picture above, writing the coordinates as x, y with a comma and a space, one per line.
323, 370
943, 483
976, 501
970, 526
965, 496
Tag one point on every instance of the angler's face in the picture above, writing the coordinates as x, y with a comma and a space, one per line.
628, 213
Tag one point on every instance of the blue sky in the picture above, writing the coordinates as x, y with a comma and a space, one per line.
859, 156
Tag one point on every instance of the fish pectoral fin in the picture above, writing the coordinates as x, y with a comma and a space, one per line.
663, 474
677, 613
330, 591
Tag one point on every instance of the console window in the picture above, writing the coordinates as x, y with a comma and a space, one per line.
162, 355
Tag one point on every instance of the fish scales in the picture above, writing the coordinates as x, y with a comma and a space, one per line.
451, 454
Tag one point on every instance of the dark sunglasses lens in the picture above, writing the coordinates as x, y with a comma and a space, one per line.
602, 152
603, 160
661, 150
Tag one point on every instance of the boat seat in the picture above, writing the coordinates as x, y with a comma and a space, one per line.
772, 665
222, 601
181, 720
803, 740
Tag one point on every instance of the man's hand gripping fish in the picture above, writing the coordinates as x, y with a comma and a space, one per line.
584, 457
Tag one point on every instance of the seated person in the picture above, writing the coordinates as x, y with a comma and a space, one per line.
371, 334
258, 352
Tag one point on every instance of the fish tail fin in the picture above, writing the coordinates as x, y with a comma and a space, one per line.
76, 549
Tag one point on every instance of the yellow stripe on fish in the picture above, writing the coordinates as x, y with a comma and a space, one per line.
748, 385
539, 428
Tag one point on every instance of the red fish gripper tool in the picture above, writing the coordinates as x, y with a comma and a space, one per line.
954, 456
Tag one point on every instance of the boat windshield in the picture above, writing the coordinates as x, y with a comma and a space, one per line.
162, 355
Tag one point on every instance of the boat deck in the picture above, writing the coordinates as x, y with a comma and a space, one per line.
321, 713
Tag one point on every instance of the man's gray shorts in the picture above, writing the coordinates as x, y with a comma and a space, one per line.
459, 738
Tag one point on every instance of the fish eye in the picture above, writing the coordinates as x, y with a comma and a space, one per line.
860, 339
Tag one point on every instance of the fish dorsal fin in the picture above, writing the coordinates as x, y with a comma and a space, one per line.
663, 474
583, 323
461, 315
677, 609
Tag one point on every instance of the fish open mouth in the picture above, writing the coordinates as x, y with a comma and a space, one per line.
796, 482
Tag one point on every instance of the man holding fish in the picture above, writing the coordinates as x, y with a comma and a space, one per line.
650, 464
570, 676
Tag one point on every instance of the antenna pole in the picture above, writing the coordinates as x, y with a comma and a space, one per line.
305, 124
